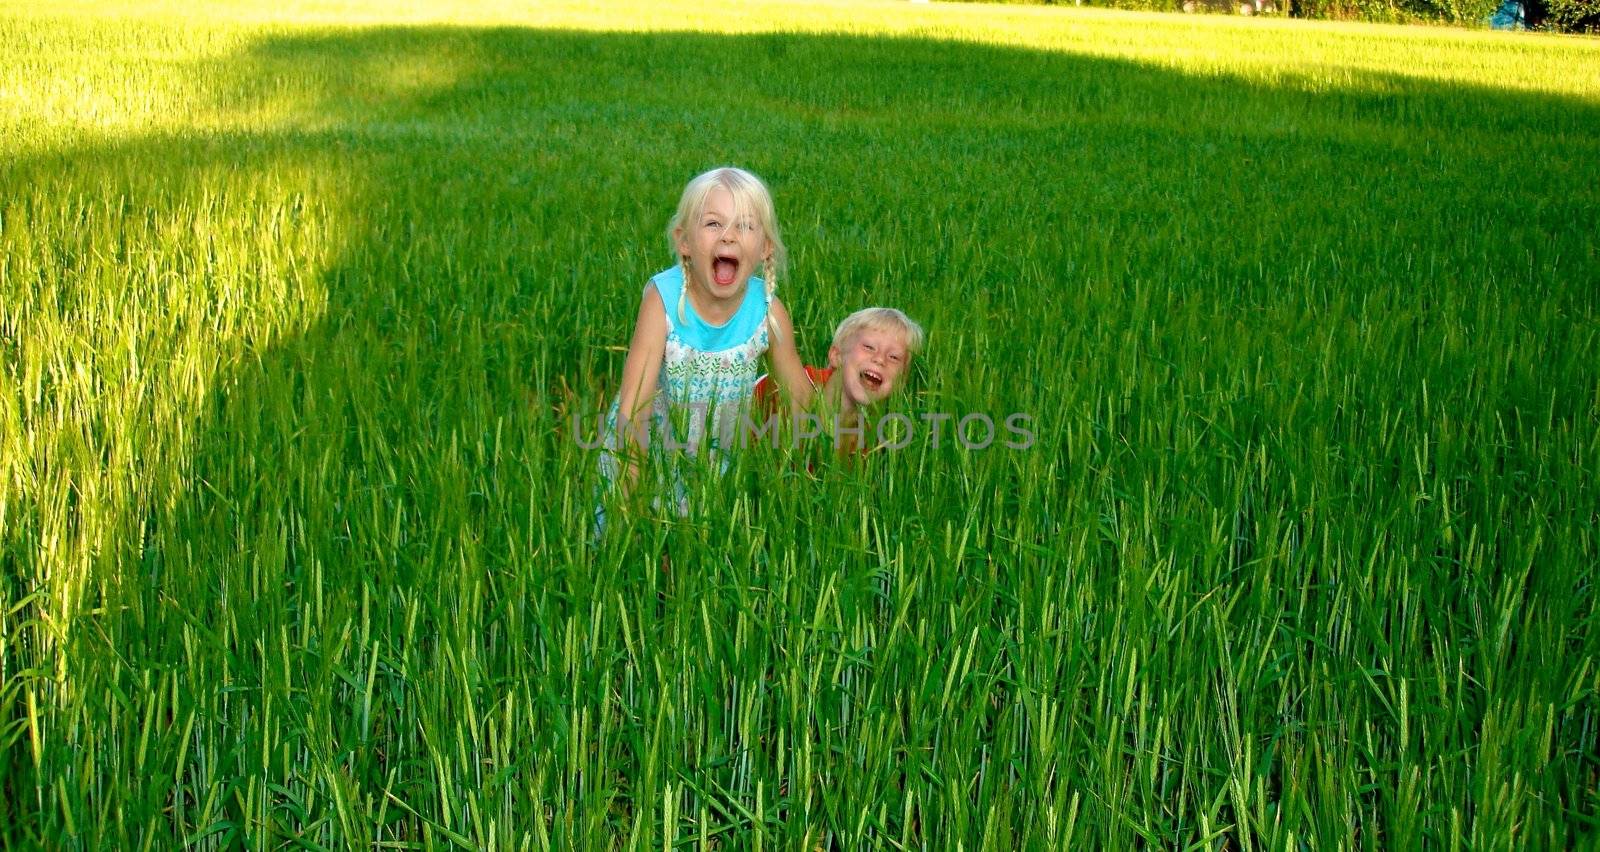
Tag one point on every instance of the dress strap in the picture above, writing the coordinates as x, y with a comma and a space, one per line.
669, 307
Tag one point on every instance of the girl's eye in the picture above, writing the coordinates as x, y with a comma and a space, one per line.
895, 358
869, 347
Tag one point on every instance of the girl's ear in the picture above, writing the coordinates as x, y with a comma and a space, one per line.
833, 357
677, 239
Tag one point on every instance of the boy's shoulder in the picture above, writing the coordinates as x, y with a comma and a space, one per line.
818, 375
767, 387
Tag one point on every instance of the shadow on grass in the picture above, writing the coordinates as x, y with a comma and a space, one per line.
382, 453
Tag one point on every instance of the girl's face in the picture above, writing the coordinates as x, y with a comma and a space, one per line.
723, 250
869, 364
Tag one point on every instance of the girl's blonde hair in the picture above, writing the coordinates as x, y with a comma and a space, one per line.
880, 319
750, 197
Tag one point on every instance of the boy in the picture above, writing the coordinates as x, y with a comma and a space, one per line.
870, 352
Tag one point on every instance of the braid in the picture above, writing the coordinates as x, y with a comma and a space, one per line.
770, 272
683, 293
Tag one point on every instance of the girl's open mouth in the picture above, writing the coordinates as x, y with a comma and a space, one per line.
872, 380
724, 270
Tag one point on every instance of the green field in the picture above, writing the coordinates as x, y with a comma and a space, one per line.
297, 300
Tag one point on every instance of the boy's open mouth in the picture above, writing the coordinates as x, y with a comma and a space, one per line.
724, 269
871, 379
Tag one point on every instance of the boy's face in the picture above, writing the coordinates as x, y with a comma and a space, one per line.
869, 364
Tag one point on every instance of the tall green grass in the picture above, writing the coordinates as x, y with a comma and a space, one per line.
297, 303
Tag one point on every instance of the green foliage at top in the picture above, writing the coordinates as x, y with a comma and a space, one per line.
1573, 15
297, 304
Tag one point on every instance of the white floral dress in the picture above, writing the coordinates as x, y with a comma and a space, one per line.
707, 376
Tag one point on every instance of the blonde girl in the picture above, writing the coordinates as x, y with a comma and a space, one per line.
704, 325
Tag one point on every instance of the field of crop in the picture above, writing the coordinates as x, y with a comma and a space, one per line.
298, 299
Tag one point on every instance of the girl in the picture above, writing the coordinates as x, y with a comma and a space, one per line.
703, 325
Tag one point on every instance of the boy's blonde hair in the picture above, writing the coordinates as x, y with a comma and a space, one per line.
879, 319
750, 197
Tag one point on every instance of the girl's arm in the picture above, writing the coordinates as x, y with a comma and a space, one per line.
639, 373
786, 366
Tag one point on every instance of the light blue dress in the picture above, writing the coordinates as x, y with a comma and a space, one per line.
708, 373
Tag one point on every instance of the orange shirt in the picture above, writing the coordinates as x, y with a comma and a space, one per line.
766, 395
766, 392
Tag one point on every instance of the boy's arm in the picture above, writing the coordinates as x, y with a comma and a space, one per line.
639, 374
786, 366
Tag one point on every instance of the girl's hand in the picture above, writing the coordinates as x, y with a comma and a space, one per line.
786, 366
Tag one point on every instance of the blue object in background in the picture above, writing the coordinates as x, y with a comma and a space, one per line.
1508, 17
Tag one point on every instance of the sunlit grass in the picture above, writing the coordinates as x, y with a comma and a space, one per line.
296, 302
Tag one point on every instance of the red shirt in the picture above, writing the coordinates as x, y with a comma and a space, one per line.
766, 392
